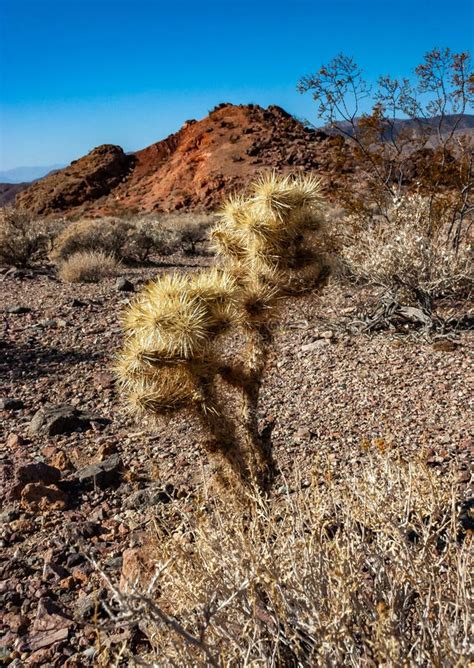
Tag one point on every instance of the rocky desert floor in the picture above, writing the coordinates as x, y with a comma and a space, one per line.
81, 479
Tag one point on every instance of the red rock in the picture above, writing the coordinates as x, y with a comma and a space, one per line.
67, 583
50, 626
49, 451
41, 657
138, 567
18, 473
194, 168
37, 496
79, 575
61, 461
14, 441
464, 476
15, 622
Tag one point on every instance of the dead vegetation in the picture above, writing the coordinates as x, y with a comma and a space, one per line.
25, 239
407, 256
88, 267
368, 566
409, 213
126, 240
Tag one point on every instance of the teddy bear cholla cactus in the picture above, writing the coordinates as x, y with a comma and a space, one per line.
176, 328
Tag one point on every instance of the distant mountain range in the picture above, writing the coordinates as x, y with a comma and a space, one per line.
463, 124
26, 174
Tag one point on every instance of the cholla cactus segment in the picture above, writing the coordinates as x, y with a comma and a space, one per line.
263, 230
279, 195
258, 300
229, 243
171, 326
215, 285
176, 316
153, 383
169, 388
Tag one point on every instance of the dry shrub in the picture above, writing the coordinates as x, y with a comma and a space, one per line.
89, 267
106, 234
134, 239
408, 249
191, 230
128, 240
363, 567
25, 239
147, 236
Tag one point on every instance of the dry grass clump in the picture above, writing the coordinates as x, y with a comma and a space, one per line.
25, 239
408, 249
89, 267
365, 568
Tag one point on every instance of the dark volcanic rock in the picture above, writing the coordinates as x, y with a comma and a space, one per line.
9, 404
123, 285
18, 310
106, 473
61, 419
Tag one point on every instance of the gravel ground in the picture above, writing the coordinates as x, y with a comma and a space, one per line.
325, 392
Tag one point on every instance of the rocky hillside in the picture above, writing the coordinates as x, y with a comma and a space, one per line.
191, 169
197, 167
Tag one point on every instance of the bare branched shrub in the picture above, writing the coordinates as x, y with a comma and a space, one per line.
149, 235
402, 251
428, 153
366, 568
25, 239
89, 267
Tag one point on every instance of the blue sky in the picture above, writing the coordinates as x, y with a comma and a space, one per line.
78, 73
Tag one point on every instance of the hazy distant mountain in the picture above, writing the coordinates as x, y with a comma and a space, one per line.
464, 125
24, 174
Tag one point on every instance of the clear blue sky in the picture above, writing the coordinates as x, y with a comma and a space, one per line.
78, 73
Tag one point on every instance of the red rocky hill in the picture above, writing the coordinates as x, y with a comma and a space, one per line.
191, 169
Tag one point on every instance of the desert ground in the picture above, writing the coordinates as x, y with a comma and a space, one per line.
329, 394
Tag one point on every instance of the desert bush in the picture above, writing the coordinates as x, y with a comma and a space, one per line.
267, 243
191, 235
108, 235
368, 566
25, 239
128, 240
149, 235
88, 267
190, 230
404, 251
428, 153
